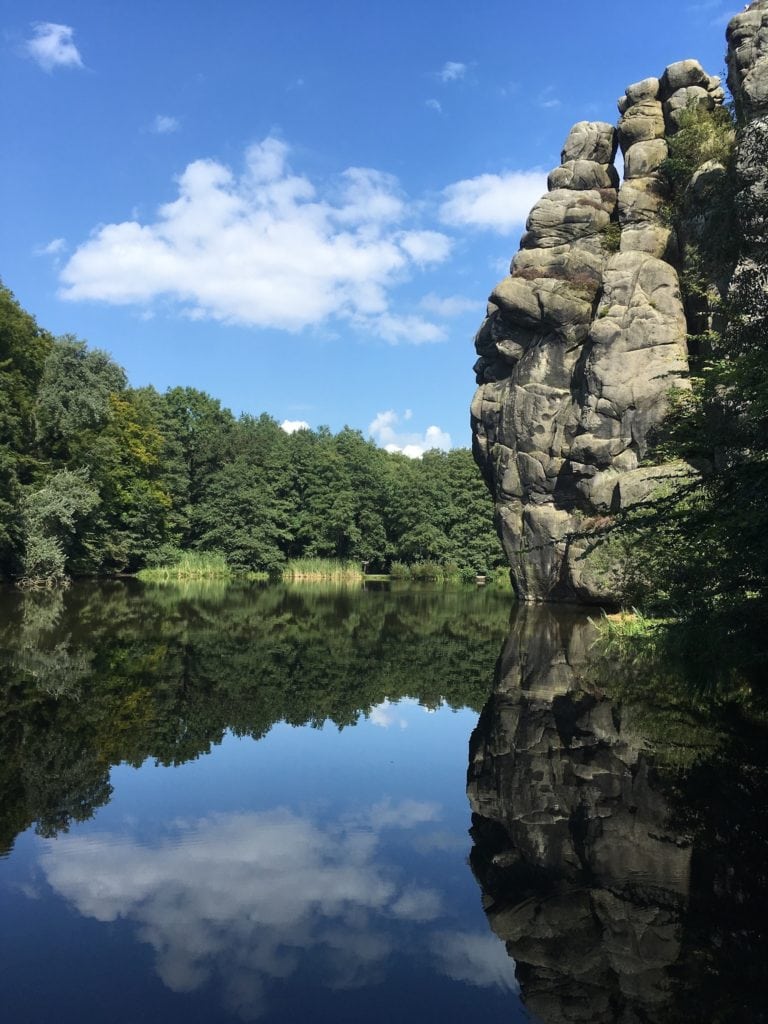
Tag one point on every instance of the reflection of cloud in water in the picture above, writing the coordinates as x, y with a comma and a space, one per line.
475, 958
404, 814
385, 715
417, 905
240, 898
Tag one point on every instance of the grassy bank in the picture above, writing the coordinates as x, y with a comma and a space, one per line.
192, 565
207, 565
321, 569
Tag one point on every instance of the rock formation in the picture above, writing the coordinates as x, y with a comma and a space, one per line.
748, 60
586, 336
628, 882
583, 877
748, 82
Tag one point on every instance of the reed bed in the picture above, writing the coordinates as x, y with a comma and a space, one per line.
322, 569
191, 565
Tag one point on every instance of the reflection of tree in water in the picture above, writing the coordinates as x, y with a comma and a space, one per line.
627, 889
41, 652
96, 676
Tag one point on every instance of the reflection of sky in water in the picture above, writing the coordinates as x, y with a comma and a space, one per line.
310, 861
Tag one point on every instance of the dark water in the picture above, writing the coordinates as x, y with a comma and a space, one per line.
227, 804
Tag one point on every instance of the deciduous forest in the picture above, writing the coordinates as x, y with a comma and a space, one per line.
99, 478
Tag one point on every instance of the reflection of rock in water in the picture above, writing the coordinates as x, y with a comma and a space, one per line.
582, 877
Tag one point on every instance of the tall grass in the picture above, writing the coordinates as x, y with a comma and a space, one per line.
322, 569
630, 637
190, 565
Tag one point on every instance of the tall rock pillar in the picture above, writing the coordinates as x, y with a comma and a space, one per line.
581, 345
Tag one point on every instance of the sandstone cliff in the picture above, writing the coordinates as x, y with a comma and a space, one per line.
586, 337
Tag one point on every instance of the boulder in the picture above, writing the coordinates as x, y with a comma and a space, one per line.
583, 174
683, 74
645, 158
640, 123
590, 140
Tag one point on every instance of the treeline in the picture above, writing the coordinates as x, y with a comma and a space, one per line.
99, 478
115, 673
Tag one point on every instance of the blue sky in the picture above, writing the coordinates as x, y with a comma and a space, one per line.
300, 206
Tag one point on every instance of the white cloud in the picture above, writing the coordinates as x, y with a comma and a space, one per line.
495, 202
291, 426
412, 444
52, 46
425, 246
266, 249
476, 959
53, 248
435, 105
452, 71
165, 125
411, 329
370, 197
249, 900
450, 305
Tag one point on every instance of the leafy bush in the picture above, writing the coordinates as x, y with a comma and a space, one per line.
427, 571
704, 135
399, 571
44, 560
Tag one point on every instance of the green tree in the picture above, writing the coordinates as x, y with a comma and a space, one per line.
125, 461
242, 516
51, 516
24, 348
74, 397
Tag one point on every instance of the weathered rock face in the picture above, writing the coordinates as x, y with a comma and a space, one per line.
748, 80
581, 345
747, 37
583, 878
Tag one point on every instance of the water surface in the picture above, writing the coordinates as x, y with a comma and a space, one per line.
228, 803
240, 804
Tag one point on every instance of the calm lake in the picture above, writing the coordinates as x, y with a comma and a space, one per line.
225, 803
